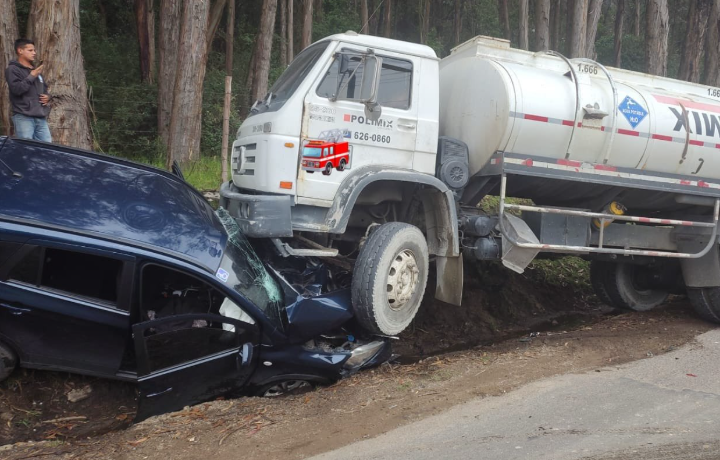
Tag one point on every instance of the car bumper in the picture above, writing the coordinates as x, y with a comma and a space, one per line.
258, 216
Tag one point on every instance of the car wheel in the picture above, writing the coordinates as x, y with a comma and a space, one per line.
390, 277
8, 361
618, 286
285, 387
328, 169
341, 166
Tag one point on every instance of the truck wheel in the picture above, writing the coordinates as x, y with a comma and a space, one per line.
620, 286
390, 278
328, 169
706, 302
341, 166
8, 361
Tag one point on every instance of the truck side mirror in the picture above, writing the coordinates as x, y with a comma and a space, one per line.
344, 63
370, 79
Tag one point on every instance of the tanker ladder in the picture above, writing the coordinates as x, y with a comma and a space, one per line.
656, 237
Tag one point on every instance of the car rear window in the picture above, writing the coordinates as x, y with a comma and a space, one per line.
80, 274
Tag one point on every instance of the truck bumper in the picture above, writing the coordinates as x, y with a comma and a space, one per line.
259, 216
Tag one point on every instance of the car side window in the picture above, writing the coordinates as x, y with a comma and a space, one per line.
395, 89
170, 295
7, 250
79, 274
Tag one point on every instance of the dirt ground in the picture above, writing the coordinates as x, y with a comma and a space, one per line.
510, 330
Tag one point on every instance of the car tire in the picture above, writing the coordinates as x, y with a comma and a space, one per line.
390, 277
341, 166
706, 302
8, 361
284, 388
619, 289
328, 169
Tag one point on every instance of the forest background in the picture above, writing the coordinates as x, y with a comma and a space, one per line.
148, 79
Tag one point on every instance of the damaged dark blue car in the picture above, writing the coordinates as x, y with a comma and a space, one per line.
119, 270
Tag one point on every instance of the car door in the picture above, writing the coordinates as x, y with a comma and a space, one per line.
390, 140
181, 364
65, 307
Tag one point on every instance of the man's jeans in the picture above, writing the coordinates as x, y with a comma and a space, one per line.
31, 128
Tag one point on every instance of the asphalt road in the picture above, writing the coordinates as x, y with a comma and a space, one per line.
663, 407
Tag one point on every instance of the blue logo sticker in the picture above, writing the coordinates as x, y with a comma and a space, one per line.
222, 275
634, 112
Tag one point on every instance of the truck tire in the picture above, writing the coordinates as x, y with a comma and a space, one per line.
8, 361
706, 302
617, 287
328, 169
341, 166
390, 278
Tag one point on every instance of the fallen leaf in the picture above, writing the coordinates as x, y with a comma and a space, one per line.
691, 375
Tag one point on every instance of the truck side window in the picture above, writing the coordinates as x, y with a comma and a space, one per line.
395, 82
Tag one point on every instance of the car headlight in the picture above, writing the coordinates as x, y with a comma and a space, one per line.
362, 354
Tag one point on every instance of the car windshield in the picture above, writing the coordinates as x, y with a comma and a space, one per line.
242, 269
313, 152
289, 81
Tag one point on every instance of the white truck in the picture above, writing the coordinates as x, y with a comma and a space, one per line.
621, 168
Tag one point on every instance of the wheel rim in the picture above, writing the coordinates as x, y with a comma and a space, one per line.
282, 388
403, 279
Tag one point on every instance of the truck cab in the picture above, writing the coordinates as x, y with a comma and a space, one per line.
342, 143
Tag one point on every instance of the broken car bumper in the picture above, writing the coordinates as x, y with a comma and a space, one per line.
259, 216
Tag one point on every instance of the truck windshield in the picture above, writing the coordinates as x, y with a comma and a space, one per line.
313, 152
289, 81
242, 269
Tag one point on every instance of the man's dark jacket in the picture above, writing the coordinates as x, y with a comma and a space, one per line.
25, 91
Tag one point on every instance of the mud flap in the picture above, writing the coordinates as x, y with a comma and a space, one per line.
701, 272
514, 257
449, 279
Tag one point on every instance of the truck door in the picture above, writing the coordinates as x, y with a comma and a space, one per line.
390, 140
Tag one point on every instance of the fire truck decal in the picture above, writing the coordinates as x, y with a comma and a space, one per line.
330, 150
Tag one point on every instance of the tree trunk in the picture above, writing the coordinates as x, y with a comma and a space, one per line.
388, 18
523, 24
363, 16
504, 18
290, 32
169, 38
594, 13
8, 34
424, 20
555, 24
697, 26
578, 41
283, 33
542, 25
229, 42
307, 24
263, 48
619, 19
458, 21
152, 50
638, 18
141, 21
216, 14
712, 55
656, 50
57, 39
186, 118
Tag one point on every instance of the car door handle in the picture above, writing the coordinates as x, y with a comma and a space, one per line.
17, 311
152, 395
407, 125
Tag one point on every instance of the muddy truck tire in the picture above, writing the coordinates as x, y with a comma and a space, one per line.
390, 278
616, 285
706, 302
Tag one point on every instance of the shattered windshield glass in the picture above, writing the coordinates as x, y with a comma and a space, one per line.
242, 269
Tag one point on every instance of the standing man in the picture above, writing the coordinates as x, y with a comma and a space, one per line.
28, 94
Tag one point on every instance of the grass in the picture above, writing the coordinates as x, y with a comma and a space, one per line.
203, 174
569, 271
